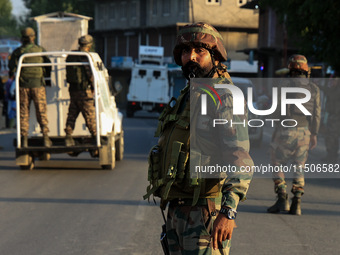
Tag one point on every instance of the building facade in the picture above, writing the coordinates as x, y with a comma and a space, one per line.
122, 25
274, 46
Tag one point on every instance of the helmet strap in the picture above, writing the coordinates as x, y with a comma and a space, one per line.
213, 69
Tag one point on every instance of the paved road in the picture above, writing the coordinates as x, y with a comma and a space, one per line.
71, 206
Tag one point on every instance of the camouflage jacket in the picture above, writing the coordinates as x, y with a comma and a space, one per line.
313, 121
80, 78
30, 77
230, 142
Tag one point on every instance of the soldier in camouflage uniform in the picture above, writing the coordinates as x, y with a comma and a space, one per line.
291, 144
80, 79
332, 92
200, 216
31, 84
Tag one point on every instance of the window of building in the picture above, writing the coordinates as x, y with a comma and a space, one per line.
213, 2
166, 7
241, 2
133, 10
154, 7
123, 10
112, 11
181, 6
101, 8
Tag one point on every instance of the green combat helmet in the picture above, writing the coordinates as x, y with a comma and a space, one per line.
85, 40
201, 34
298, 62
27, 35
27, 32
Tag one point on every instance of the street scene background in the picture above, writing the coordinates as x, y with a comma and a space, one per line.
71, 206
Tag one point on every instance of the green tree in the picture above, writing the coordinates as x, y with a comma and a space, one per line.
8, 27
40, 7
316, 25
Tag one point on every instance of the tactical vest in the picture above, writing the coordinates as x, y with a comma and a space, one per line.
169, 170
31, 72
76, 75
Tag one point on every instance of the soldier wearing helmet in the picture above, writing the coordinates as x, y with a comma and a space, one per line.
208, 40
80, 81
291, 145
201, 211
298, 66
31, 84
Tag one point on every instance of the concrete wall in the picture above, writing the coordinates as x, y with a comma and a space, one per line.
127, 14
227, 14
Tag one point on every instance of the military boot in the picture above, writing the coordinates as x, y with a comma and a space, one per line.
47, 141
281, 205
69, 141
24, 141
295, 207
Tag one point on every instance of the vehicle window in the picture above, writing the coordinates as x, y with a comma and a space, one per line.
156, 74
142, 73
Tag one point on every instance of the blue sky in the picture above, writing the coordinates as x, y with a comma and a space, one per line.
18, 7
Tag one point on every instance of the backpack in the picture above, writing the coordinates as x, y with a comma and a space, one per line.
169, 170
32, 72
76, 75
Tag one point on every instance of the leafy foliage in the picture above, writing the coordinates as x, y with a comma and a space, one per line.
316, 23
40, 7
8, 22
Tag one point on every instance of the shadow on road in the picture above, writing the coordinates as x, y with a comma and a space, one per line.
76, 201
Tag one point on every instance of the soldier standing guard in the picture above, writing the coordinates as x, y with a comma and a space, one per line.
31, 82
292, 143
80, 79
201, 211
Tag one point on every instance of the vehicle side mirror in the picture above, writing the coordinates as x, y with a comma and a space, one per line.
116, 88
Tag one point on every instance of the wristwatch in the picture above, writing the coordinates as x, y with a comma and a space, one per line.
229, 212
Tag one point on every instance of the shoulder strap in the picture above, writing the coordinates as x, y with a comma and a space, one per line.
26, 50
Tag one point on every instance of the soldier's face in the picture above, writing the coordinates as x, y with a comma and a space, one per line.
196, 62
297, 74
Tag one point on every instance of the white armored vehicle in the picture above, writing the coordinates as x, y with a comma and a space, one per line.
108, 145
149, 88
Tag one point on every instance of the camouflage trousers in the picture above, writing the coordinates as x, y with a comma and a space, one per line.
189, 229
81, 101
38, 95
332, 135
290, 146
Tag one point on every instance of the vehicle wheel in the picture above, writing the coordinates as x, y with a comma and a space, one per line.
107, 155
120, 147
30, 165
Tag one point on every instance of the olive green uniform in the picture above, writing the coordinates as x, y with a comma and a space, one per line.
291, 144
189, 226
81, 95
31, 82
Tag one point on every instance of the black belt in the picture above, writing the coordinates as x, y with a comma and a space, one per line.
187, 202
